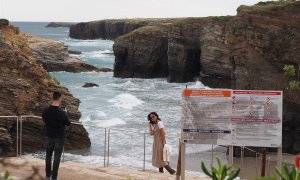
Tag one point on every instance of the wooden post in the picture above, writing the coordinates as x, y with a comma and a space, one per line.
242, 160
230, 156
182, 160
263, 164
178, 170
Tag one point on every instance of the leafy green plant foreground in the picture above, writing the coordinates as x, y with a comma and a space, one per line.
223, 172
293, 174
5, 176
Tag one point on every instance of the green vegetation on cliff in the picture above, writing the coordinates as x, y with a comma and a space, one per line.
264, 6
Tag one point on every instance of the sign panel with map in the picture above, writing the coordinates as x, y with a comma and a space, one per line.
232, 117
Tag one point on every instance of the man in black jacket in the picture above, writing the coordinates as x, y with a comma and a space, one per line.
55, 119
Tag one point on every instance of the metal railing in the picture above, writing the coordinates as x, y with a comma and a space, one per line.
137, 133
130, 132
108, 133
17, 133
23, 118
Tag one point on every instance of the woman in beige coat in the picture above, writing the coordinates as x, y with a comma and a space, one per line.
157, 130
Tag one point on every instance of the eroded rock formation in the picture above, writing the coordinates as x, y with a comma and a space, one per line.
25, 89
142, 55
54, 56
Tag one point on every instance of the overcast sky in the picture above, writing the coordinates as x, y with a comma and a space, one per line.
88, 10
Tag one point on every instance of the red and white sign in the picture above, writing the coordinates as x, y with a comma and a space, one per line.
232, 117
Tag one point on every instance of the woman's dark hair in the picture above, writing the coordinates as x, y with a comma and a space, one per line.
155, 114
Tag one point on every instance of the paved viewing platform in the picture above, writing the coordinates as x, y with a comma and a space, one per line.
31, 168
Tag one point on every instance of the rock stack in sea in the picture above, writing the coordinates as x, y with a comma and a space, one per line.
59, 24
54, 56
246, 51
25, 89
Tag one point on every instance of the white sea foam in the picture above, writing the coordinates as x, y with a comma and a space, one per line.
94, 160
93, 116
91, 159
127, 84
126, 101
130, 86
198, 85
96, 54
110, 122
91, 43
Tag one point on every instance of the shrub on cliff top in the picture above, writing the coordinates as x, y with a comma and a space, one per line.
290, 73
289, 70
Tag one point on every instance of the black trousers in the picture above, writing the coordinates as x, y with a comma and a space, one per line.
56, 145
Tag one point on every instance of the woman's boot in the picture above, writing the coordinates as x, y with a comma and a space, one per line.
169, 169
161, 170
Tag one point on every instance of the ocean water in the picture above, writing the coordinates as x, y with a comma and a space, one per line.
119, 104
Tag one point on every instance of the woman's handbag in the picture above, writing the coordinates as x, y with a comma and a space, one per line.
167, 150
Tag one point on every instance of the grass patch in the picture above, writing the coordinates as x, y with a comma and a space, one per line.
146, 30
223, 18
264, 6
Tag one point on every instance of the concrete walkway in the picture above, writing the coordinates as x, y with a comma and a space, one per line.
33, 169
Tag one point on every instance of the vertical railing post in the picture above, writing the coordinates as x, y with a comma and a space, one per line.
182, 146
242, 160
63, 154
269, 162
108, 136
21, 134
279, 157
230, 158
104, 156
144, 161
263, 163
17, 136
212, 155
256, 164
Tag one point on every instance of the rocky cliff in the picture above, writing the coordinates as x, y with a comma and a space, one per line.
25, 89
247, 51
149, 44
110, 29
54, 56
